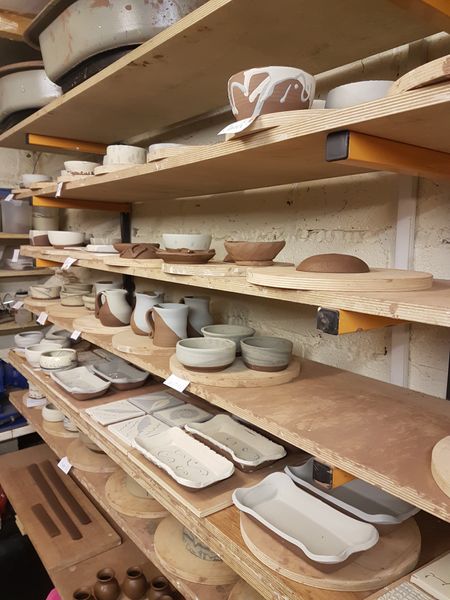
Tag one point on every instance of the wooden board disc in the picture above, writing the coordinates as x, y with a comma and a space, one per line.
128, 341
149, 263
393, 556
58, 430
243, 591
40, 185
58, 311
209, 269
123, 501
84, 459
180, 562
105, 169
237, 376
440, 464
38, 303
377, 280
90, 324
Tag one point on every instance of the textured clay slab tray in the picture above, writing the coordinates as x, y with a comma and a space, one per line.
155, 401
178, 416
114, 412
145, 426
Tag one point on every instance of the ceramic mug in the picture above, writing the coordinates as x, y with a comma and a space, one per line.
168, 323
144, 302
101, 286
199, 315
112, 308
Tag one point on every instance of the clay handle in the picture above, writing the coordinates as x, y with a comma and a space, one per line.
150, 322
98, 304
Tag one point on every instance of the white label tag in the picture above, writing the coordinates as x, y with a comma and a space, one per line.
176, 383
59, 188
8, 197
33, 402
64, 465
237, 126
15, 256
17, 305
75, 335
68, 263
42, 318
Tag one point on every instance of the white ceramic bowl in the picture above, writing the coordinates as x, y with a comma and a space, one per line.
235, 333
119, 154
206, 354
191, 241
58, 359
359, 92
29, 178
266, 353
75, 288
65, 238
33, 353
72, 299
39, 237
80, 167
28, 338
43, 292
51, 414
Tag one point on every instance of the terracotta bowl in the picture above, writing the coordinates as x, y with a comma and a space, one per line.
266, 353
333, 263
258, 254
185, 256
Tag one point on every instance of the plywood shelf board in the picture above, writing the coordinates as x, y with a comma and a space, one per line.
8, 273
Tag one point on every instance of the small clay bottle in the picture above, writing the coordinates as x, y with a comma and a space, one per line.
135, 584
83, 594
107, 586
159, 586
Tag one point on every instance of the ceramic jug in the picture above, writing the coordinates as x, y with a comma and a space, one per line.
168, 323
101, 286
135, 584
112, 308
106, 587
199, 315
144, 302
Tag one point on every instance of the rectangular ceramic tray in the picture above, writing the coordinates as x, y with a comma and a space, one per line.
179, 416
189, 462
357, 497
120, 374
81, 383
248, 449
323, 533
154, 401
114, 412
145, 426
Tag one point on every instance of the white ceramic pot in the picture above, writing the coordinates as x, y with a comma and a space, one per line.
80, 167
206, 354
51, 414
144, 302
236, 333
58, 359
191, 241
101, 286
112, 308
168, 322
33, 353
199, 315
359, 92
42, 292
124, 155
28, 338
65, 238
27, 179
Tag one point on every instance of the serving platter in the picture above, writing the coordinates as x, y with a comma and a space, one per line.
81, 383
178, 416
114, 412
144, 426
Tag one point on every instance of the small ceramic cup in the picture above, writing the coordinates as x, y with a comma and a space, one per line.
235, 333
56, 360
266, 353
206, 354
51, 414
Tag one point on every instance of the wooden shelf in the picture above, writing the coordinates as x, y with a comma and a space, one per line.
183, 71
8, 273
13, 236
430, 306
11, 327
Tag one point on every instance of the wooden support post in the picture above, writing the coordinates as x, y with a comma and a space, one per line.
125, 234
44, 263
13, 25
329, 477
45, 141
338, 322
122, 207
379, 154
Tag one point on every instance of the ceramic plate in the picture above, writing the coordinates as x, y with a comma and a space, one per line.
357, 497
154, 401
114, 412
323, 533
80, 382
145, 427
119, 372
245, 447
186, 460
180, 415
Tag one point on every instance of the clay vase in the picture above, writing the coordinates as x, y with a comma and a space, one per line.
135, 584
159, 586
144, 302
168, 323
199, 315
106, 586
83, 594
112, 308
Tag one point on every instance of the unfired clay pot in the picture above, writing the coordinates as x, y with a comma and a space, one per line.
107, 586
199, 315
185, 256
270, 89
168, 323
112, 308
83, 594
144, 302
333, 263
159, 586
137, 251
135, 583
259, 254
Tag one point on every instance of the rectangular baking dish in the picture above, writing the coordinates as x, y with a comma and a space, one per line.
81, 383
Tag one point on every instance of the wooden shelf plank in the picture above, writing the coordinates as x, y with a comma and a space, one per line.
13, 236
8, 273
12, 327
183, 71
430, 306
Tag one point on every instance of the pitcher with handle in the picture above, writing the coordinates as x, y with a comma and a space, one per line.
168, 323
112, 308
199, 315
144, 302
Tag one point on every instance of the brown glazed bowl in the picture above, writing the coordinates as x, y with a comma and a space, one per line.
333, 263
257, 254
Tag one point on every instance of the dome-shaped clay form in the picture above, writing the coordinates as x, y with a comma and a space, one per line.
333, 263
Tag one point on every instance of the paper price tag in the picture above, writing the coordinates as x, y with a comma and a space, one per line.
238, 126
17, 305
8, 197
34, 402
15, 256
75, 334
68, 263
176, 383
64, 465
42, 318
59, 188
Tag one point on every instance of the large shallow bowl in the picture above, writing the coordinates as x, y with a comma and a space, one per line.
206, 353
27, 179
43, 292
254, 253
359, 92
190, 241
266, 353
60, 239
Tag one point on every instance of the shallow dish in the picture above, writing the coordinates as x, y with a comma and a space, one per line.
358, 92
258, 254
266, 353
185, 459
54, 334
28, 338
323, 533
120, 374
51, 414
206, 353
145, 426
178, 416
80, 167
362, 500
58, 359
185, 256
235, 333
114, 412
33, 353
190, 241
81, 383
43, 292
60, 239
247, 449
155, 401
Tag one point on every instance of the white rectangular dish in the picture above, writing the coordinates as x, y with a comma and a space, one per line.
120, 374
81, 383
155, 401
364, 501
114, 412
189, 462
178, 416
323, 533
145, 426
247, 449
